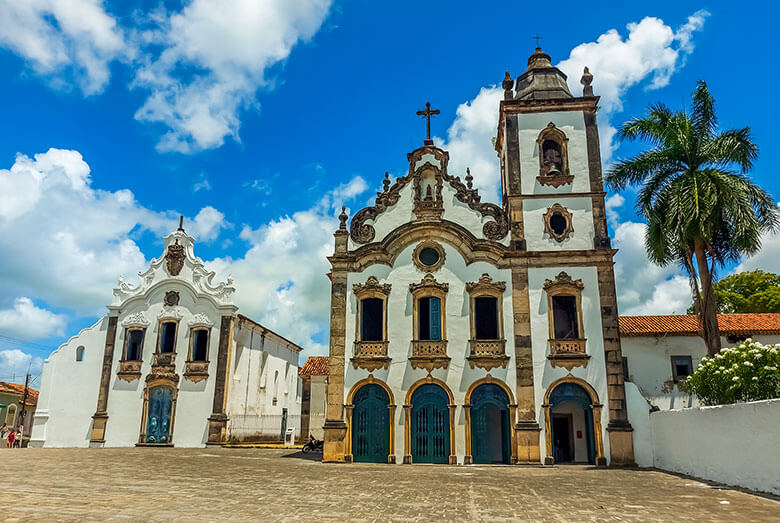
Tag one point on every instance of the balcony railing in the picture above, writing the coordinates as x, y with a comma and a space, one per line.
429, 348
370, 355
569, 346
196, 371
568, 353
163, 358
129, 370
488, 354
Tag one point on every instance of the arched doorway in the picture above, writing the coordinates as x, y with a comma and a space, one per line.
430, 425
159, 414
371, 425
571, 423
490, 426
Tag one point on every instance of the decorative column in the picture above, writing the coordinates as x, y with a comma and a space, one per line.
100, 418
407, 434
334, 428
527, 428
218, 419
453, 458
467, 458
391, 454
348, 440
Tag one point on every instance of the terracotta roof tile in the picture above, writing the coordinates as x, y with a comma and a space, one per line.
315, 366
15, 388
688, 325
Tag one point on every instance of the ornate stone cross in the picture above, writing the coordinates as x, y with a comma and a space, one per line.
427, 113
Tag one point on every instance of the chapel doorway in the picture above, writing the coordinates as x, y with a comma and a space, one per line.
371, 425
571, 424
430, 420
158, 422
490, 436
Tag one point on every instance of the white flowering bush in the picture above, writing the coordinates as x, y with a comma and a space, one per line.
748, 372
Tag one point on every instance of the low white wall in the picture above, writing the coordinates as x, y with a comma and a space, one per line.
732, 444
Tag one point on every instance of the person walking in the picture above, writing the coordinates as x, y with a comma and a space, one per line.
18, 437
11, 436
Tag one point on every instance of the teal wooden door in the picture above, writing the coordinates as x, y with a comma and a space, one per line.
371, 425
159, 418
430, 431
490, 425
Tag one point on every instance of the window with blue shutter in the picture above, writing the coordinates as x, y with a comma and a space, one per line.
429, 318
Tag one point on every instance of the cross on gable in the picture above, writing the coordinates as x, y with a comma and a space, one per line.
427, 113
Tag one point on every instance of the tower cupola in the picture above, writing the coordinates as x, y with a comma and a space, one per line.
541, 80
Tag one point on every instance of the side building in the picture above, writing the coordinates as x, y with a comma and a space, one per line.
172, 363
468, 332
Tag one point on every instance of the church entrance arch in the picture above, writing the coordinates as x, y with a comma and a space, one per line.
371, 425
490, 425
158, 413
430, 425
573, 423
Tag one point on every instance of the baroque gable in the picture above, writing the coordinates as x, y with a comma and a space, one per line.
426, 181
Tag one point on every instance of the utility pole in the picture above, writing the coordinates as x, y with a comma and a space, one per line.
24, 402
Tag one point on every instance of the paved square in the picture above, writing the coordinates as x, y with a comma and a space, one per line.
144, 484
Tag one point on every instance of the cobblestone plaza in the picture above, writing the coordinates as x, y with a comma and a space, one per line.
220, 484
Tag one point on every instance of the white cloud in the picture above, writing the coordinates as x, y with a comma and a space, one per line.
59, 39
16, 363
767, 259
652, 52
202, 109
65, 242
25, 320
202, 184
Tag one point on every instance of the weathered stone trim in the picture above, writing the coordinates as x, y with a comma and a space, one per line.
218, 419
557, 208
100, 418
335, 428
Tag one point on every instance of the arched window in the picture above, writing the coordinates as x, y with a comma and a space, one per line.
200, 345
10, 416
168, 336
553, 157
276, 388
134, 342
80, 353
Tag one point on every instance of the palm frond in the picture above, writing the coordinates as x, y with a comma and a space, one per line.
703, 112
732, 146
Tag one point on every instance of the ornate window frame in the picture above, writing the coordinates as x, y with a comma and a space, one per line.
130, 370
371, 355
487, 354
557, 208
551, 132
428, 244
197, 370
160, 324
567, 353
429, 354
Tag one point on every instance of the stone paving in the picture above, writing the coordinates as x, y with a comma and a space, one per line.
145, 484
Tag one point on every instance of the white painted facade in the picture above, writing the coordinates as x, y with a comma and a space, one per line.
70, 388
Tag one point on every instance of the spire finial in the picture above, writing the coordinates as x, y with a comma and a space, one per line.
537, 38
587, 78
181, 223
343, 218
507, 85
469, 178
386, 181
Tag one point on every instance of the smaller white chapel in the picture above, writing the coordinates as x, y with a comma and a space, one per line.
171, 364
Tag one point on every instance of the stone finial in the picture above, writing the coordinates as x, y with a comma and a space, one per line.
181, 223
386, 181
587, 78
507, 85
469, 178
343, 218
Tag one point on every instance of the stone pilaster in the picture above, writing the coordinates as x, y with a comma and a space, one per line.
335, 429
527, 428
100, 418
218, 419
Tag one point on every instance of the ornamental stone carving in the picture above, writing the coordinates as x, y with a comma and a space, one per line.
135, 320
558, 222
171, 298
371, 286
563, 282
200, 320
485, 283
553, 157
170, 313
428, 282
175, 258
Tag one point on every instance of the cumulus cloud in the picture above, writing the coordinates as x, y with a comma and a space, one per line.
60, 40
65, 242
768, 259
15, 363
201, 108
25, 320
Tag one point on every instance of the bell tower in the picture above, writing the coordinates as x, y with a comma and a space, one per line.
553, 193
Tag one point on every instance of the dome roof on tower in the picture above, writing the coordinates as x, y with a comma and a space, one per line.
541, 80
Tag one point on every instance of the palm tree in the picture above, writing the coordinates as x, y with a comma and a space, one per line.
701, 209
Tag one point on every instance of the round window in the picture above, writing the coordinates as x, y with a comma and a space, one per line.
558, 223
429, 256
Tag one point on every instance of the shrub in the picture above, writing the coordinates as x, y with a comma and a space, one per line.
748, 372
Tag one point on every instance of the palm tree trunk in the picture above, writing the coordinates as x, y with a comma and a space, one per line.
708, 313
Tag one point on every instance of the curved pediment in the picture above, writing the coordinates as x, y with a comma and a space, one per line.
426, 178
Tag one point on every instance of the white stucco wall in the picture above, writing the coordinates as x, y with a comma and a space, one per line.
263, 369
581, 210
317, 406
69, 391
733, 444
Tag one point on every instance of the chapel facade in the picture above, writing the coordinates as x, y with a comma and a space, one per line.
172, 363
463, 331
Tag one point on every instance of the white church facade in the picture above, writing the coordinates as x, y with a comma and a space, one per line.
468, 332
173, 363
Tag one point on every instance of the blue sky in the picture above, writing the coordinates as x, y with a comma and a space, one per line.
256, 123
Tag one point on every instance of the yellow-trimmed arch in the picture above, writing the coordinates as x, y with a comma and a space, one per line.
493, 381
428, 380
490, 380
370, 380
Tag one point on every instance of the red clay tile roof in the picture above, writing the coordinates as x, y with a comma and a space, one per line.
15, 388
688, 325
315, 366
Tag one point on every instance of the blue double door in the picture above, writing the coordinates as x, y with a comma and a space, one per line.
158, 421
371, 425
490, 425
430, 430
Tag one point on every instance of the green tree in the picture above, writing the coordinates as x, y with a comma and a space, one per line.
700, 211
752, 291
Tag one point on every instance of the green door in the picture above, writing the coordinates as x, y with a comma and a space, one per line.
159, 420
490, 425
371, 425
430, 425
